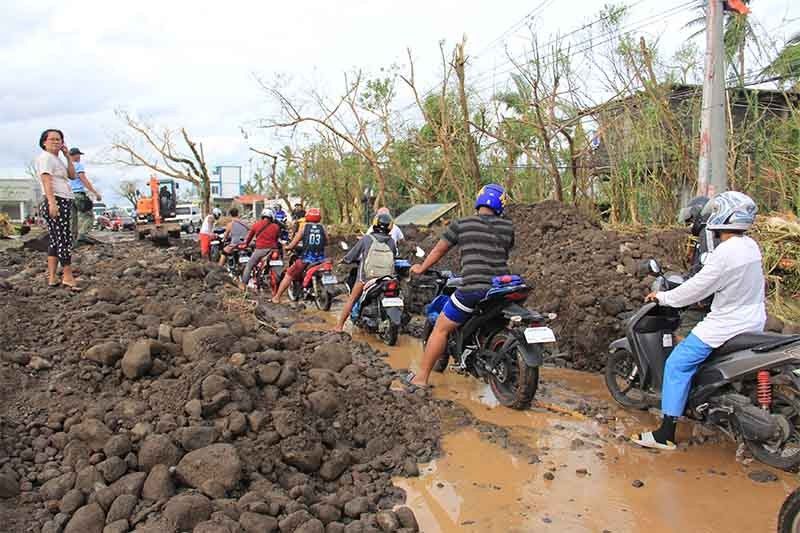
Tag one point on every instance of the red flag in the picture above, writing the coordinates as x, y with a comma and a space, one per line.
738, 6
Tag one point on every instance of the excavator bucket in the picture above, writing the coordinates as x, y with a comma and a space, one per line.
738, 6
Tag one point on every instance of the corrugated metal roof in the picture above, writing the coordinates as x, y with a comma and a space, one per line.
424, 214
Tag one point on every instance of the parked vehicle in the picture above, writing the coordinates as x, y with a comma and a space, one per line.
216, 245
115, 222
749, 387
317, 284
502, 343
189, 217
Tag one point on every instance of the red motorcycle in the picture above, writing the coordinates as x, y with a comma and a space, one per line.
318, 278
267, 273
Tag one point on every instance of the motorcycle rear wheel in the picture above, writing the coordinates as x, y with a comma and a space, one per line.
390, 334
785, 401
517, 384
789, 516
294, 291
321, 296
620, 365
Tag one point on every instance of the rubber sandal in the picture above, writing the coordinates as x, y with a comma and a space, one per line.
72, 288
647, 440
405, 381
53, 285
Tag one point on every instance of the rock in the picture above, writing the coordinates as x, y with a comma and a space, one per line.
196, 437
117, 446
324, 403
89, 479
312, 526
120, 526
186, 511
762, 476
87, 519
237, 423
549, 476
256, 420
158, 485
164, 333
194, 408
331, 356
213, 385
76, 451
57, 524
72, 501
637, 483
326, 512
303, 455
122, 508
182, 318
268, 374
137, 360
112, 468
258, 523
387, 521
20, 358
294, 520
356, 507
92, 432
218, 462
39, 363
287, 377
106, 353
773, 324
207, 340
128, 484
215, 527
407, 518
56, 488
335, 465
158, 449
613, 305
9, 486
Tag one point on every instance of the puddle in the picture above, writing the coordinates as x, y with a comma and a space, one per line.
478, 485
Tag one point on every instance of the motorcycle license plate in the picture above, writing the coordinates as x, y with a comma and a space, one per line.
539, 335
392, 302
276, 263
244, 259
329, 279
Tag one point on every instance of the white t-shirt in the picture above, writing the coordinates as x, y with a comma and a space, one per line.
734, 275
208, 225
396, 234
47, 163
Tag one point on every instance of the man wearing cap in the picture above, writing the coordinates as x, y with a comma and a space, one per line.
82, 217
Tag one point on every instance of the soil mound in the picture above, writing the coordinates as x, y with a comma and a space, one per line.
156, 400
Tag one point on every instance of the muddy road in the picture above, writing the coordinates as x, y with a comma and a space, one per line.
566, 465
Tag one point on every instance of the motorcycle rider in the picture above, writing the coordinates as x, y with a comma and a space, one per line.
312, 240
380, 240
265, 232
733, 274
235, 234
207, 232
280, 219
396, 234
485, 239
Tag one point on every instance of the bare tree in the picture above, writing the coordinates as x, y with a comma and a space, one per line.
143, 146
127, 189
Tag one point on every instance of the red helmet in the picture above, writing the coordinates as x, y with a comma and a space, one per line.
313, 215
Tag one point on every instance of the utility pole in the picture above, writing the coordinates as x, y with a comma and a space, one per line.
712, 168
713, 165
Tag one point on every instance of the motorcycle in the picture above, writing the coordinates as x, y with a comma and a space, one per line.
749, 387
789, 516
216, 245
268, 272
380, 309
316, 283
502, 343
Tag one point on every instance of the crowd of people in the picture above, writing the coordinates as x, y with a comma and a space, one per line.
726, 267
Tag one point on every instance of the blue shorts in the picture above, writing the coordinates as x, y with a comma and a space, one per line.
461, 305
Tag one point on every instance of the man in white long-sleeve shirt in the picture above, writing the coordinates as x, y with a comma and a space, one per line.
734, 276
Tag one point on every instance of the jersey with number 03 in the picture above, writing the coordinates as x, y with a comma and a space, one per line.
313, 242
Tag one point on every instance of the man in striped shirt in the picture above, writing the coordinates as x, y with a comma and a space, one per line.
485, 239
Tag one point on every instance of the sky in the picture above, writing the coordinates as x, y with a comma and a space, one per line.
176, 63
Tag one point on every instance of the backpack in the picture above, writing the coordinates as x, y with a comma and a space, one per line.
379, 261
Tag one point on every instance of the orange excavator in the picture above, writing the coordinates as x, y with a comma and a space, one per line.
155, 214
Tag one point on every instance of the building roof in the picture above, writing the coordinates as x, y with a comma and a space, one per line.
424, 214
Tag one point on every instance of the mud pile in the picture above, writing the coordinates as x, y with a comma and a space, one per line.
158, 401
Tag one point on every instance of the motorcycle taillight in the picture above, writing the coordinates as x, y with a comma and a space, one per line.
516, 296
390, 288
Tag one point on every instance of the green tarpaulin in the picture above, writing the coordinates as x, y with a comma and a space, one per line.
424, 214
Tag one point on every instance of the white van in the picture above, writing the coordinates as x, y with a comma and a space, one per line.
189, 217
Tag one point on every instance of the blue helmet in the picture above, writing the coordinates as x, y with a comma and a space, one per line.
730, 210
492, 196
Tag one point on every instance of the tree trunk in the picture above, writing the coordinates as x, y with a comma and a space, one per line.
472, 155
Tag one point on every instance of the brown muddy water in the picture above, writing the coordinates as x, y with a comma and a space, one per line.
578, 473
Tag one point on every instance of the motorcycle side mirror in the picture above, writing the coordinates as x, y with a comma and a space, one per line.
344, 246
655, 268
420, 252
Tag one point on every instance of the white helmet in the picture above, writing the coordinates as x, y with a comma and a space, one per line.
217, 212
268, 213
730, 211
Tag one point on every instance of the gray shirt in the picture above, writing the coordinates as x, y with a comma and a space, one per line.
485, 242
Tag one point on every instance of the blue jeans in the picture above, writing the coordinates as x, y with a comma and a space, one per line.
681, 366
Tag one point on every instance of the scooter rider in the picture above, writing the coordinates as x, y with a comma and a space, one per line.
485, 239
312, 239
734, 276
265, 232
281, 218
235, 234
378, 241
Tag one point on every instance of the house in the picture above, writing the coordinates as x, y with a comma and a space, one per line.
226, 184
19, 197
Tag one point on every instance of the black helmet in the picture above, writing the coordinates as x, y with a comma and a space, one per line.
382, 223
692, 214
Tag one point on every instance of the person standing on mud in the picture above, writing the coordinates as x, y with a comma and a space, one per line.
486, 240
82, 216
207, 232
57, 206
734, 276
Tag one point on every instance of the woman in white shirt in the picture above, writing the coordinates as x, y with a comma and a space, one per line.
57, 206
